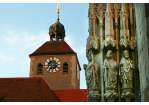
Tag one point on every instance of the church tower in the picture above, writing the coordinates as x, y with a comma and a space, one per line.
55, 61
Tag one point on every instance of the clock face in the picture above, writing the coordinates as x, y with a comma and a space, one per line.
52, 64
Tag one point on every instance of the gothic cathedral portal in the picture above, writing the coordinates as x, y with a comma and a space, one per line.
112, 74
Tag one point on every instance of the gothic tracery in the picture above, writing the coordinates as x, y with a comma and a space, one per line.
112, 29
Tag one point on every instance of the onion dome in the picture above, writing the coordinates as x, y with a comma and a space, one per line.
57, 30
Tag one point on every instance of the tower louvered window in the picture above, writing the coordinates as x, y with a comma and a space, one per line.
65, 68
39, 71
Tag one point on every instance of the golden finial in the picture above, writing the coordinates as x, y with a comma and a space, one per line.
58, 12
58, 8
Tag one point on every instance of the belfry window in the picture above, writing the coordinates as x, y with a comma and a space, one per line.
52, 37
39, 71
65, 68
59, 36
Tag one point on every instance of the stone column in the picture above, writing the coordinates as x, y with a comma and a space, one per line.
111, 21
126, 21
95, 33
101, 22
101, 78
55, 36
101, 41
107, 26
117, 46
101, 65
137, 91
50, 38
133, 50
118, 59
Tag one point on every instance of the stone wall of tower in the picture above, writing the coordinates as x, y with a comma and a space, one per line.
142, 31
57, 80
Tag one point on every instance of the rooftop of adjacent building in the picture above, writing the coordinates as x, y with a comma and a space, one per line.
35, 89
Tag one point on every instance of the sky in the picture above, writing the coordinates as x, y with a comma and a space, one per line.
24, 27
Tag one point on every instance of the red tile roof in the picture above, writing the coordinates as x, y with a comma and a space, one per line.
74, 95
53, 47
32, 89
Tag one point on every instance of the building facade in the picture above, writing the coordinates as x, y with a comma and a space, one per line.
117, 52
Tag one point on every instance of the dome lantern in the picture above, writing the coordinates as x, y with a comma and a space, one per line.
57, 30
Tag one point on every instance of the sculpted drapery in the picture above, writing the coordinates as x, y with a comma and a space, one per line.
126, 76
91, 73
110, 77
112, 29
110, 72
126, 70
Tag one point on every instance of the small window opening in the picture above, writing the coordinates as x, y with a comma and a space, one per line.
53, 39
65, 68
59, 36
40, 68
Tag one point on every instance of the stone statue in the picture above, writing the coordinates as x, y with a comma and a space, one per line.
110, 77
126, 76
91, 73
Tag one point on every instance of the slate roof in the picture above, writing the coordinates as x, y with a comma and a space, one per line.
74, 95
32, 89
53, 47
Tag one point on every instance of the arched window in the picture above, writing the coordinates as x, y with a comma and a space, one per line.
65, 68
59, 37
52, 37
39, 71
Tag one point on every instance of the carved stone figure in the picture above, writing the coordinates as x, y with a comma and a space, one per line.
126, 76
91, 73
110, 77
112, 26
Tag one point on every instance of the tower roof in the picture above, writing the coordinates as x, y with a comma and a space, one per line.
57, 27
57, 30
52, 48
